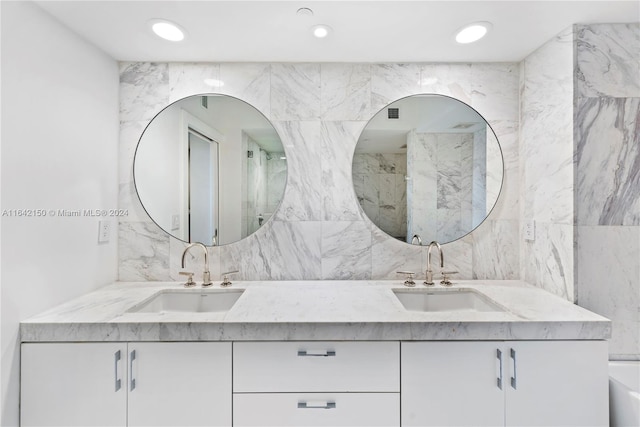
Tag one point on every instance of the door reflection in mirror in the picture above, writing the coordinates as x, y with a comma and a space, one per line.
194, 176
203, 188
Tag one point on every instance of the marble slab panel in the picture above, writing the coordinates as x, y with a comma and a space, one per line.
338, 141
447, 79
495, 250
303, 197
295, 92
388, 256
458, 256
143, 251
549, 259
130, 133
508, 185
494, 90
346, 250
345, 91
390, 82
144, 90
278, 251
608, 63
608, 161
608, 274
187, 79
248, 82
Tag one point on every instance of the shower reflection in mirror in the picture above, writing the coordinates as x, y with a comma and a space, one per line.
427, 165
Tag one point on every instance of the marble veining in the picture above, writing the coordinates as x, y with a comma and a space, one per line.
338, 142
144, 90
309, 310
144, 252
608, 63
249, 82
187, 79
345, 91
295, 92
550, 259
608, 173
303, 197
346, 250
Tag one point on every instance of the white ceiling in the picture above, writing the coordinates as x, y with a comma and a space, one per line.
363, 31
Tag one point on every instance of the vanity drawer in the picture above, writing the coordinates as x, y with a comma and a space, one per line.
313, 409
316, 366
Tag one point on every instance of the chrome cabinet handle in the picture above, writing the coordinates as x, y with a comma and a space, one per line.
117, 357
513, 369
328, 353
499, 368
132, 357
316, 405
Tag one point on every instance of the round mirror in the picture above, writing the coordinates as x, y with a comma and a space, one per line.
210, 169
428, 166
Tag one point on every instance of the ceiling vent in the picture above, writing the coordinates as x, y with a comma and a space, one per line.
464, 125
393, 113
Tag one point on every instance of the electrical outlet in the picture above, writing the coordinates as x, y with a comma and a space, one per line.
104, 231
530, 230
175, 222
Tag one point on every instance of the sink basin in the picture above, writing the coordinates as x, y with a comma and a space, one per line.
449, 300
188, 302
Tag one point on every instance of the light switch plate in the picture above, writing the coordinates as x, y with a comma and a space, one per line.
104, 231
530, 230
175, 222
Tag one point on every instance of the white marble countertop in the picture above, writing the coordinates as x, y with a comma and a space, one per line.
316, 310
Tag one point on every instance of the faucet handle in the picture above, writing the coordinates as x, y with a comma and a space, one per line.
190, 283
445, 279
206, 279
409, 279
225, 280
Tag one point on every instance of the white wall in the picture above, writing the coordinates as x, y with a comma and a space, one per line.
59, 151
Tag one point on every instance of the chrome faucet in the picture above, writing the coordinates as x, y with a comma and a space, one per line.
416, 237
206, 275
429, 279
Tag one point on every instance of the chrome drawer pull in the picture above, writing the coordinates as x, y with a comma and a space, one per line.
132, 382
316, 405
513, 369
118, 380
499, 369
327, 353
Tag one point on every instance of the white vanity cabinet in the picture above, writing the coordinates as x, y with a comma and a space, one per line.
512, 383
120, 384
316, 384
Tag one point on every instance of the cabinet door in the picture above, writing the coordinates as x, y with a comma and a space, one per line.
316, 409
73, 384
179, 384
451, 384
557, 383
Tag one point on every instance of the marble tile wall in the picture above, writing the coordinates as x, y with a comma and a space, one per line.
441, 195
381, 190
546, 165
607, 179
319, 231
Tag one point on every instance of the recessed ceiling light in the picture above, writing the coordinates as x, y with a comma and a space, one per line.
167, 30
472, 32
321, 31
214, 82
